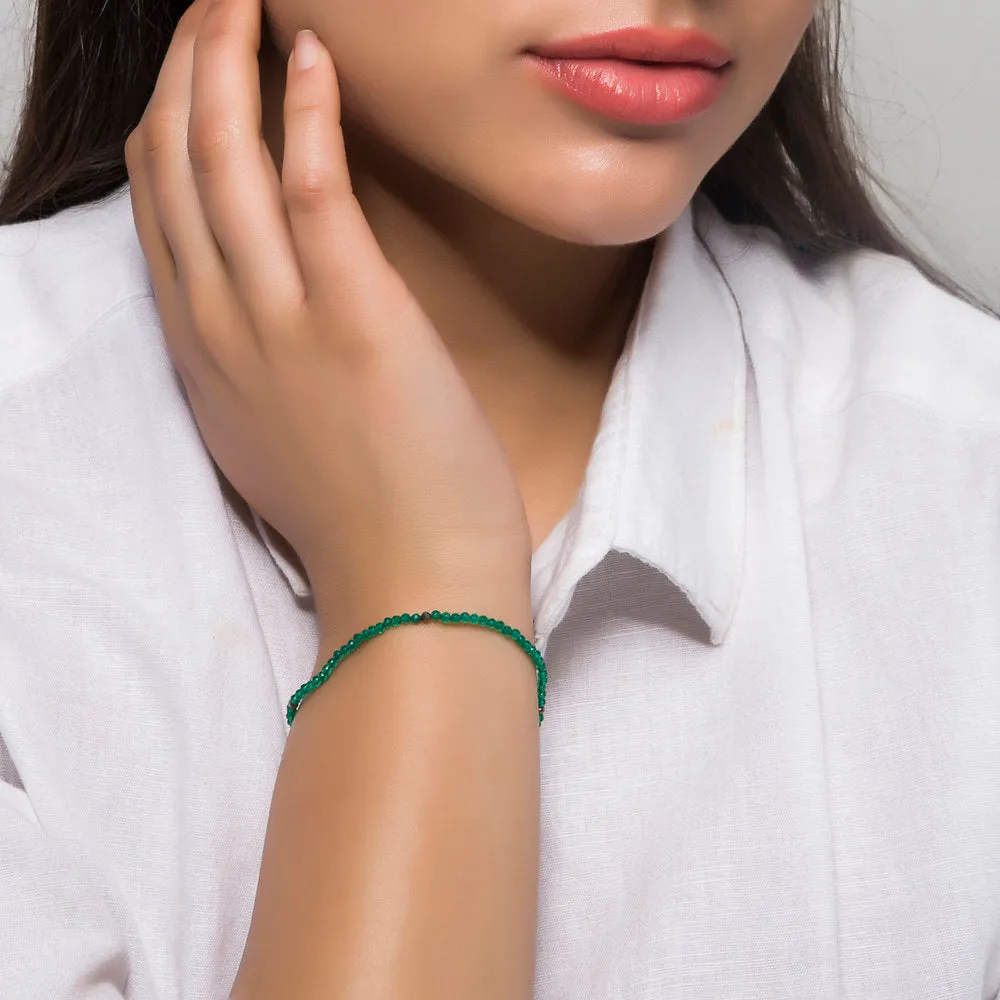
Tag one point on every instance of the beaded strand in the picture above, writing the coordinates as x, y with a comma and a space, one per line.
422, 616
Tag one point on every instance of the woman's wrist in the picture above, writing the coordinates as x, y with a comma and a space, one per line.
404, 826
340, 621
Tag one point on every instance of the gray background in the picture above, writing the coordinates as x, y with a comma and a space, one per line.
925, 84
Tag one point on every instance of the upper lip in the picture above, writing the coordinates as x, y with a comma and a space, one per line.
644, 43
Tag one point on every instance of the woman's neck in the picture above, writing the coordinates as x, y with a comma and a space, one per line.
534, 323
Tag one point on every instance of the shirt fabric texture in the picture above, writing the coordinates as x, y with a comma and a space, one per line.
770, 760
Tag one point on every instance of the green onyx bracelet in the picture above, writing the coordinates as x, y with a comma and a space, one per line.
423, 616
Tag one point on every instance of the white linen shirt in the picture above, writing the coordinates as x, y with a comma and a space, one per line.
770, 760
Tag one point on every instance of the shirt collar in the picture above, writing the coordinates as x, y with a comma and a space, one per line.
666, 478
682, 501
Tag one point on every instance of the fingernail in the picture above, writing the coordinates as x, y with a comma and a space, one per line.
306, 49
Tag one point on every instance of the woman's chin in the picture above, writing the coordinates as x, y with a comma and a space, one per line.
610, 217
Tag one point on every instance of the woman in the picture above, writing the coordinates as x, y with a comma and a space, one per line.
453, 311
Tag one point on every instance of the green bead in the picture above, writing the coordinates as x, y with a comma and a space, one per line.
541, 675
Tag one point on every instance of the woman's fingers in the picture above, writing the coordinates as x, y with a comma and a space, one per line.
162, 134
155, 249
233, 171
167, 200
346, 275
255, 260
154, 243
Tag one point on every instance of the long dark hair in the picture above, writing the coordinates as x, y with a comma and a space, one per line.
797, 168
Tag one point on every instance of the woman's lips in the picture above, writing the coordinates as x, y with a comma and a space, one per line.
634, 92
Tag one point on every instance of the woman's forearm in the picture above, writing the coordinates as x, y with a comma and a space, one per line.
401, 854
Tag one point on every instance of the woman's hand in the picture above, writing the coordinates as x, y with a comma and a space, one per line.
319, 385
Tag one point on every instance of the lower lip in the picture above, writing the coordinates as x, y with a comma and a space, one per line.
640, 94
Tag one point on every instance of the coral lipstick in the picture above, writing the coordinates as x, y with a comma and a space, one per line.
643, 76
633, 92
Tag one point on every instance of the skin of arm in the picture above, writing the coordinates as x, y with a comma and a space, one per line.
400, 858
401, 854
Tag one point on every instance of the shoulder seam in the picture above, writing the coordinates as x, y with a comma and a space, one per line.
78, 342
986, 420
